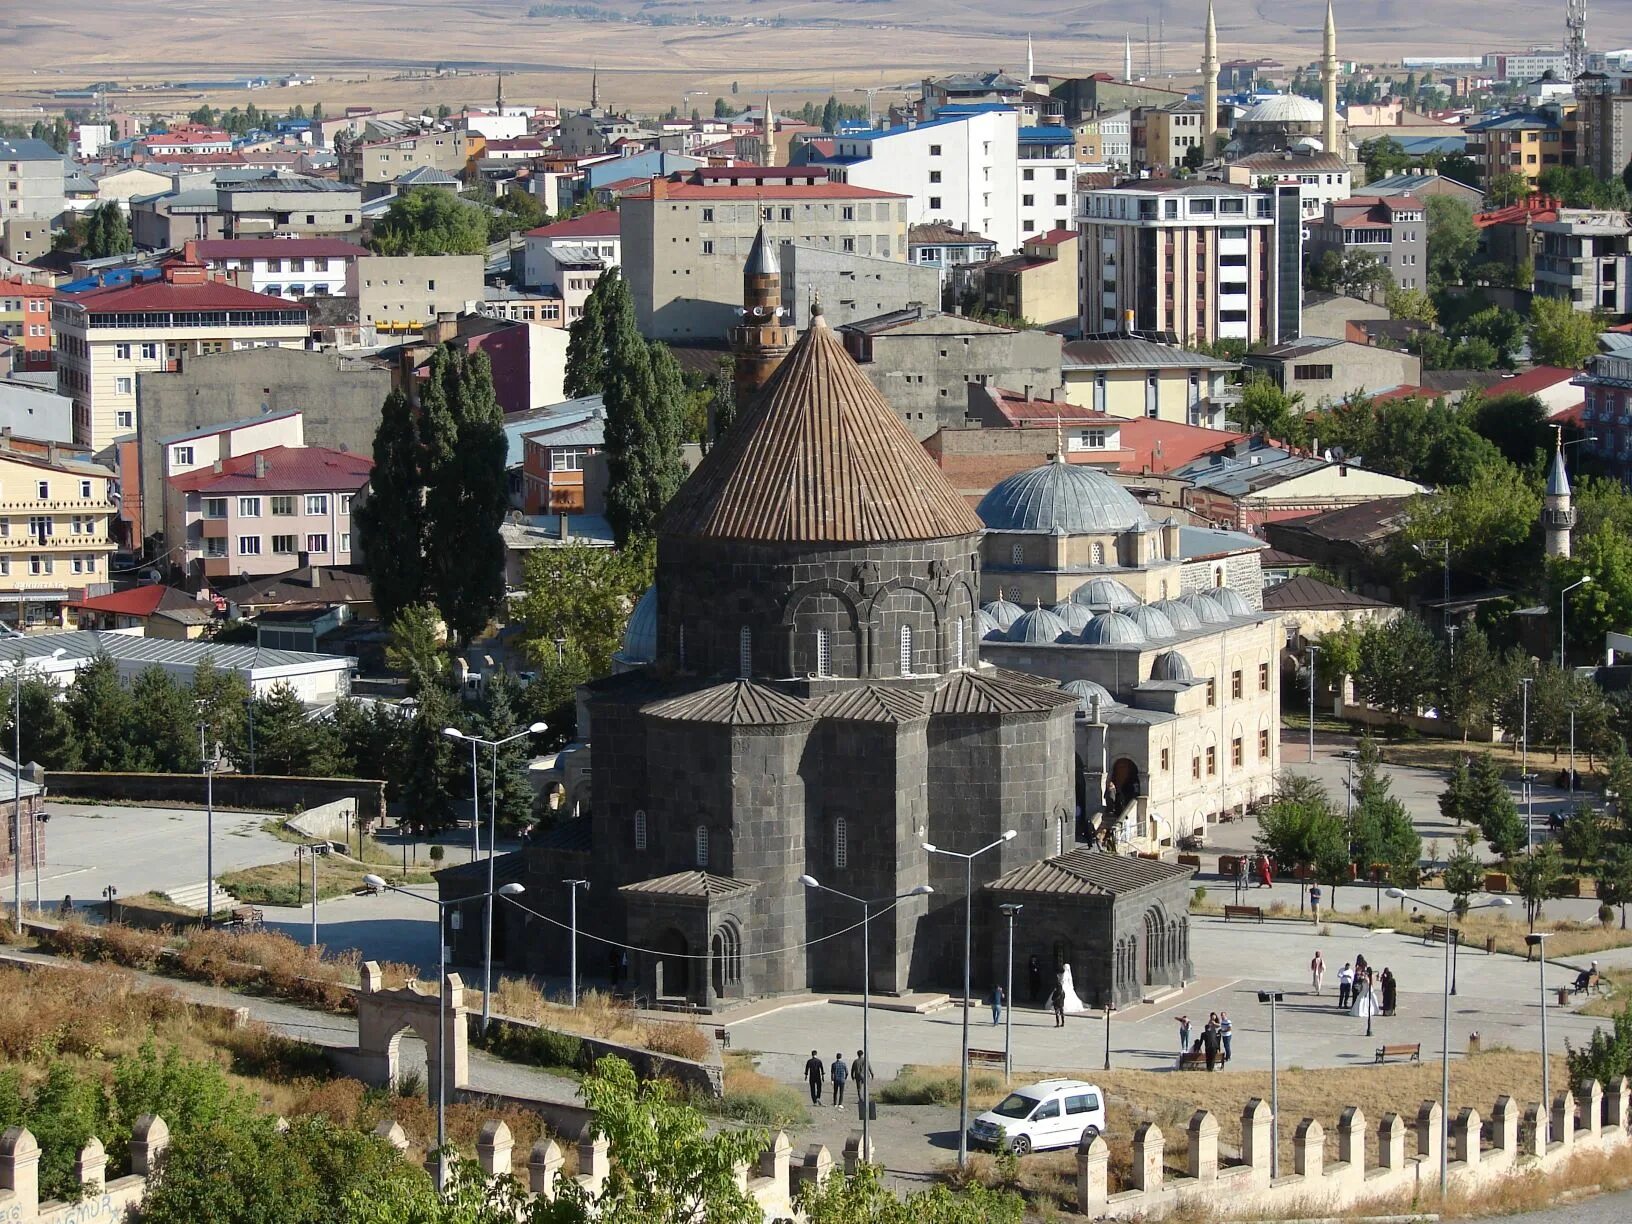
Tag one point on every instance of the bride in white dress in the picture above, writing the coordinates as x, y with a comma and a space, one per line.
1069, 991
1365, 999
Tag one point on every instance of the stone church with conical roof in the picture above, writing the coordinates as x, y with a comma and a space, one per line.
809, 700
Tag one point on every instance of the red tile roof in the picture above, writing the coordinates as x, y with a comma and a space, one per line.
1537, 378
289, 469
1164, 445
1054, 237
275, 248
138, 601
1020, 410
162, 295
197, 159
603, 223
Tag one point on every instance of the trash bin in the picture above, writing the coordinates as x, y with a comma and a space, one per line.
1490, 945
1563, 996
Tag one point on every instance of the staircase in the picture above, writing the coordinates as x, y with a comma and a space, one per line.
196, 897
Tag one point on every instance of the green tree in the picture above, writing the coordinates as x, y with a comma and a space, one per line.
722, 108
830, 114
1399, 665
1507, 187
1497, 327
1614, 879
499, 721
1582, 836
1267, 409
1464, 875
582, 596
1452, 240
865, 1197
221, 702
1488, 520
1382, 157
1299, 824
1456, 800
1536, 877
190, 1095
98, 704
586, 340
106, 232
164, 727
49, 738
424, 761
391, 526
1414, 305
1560, 335
285, 743
1381, 832
1473, 681
417, 649
1606, 1057
643, 393
1618, 788
66, 1110
467, 498
1515, 424
431, 221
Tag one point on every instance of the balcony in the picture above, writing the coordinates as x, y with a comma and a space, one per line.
212, 528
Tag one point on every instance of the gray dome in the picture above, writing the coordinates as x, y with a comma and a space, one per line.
985, 625
1075, 615
1002, 612
1113, 629
1171, 665
1106, 593
1178, 614
640, 635
1205, 607
1085, 691
1037, 627
1152, 620
1232, 602
1076, 499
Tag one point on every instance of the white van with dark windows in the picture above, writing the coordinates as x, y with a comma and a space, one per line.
1049, 1114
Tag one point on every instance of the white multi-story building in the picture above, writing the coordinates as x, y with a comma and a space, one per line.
1321, 178
105, 338
1527, 65
572, 249
282, 267
973, 166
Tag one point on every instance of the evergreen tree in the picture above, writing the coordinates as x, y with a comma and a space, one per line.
467, 499
629, 390
164, 730
284, 740
391, 521
48, 737
722, 403
425, 765
99, 705
221, 702
586, 341
830, 114
499, 721
1456, 800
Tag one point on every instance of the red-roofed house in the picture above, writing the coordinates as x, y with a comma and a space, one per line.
685, 238
263, 513
1041, 284
1011, 431
1394, 228
159, 611
570, 256
109, 336
1154, 447
1552, 385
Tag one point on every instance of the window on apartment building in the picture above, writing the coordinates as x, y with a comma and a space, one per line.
38, 564
5, 567
124, 420
568, 458
1093, 439
1312, 373
121, 352
784, 214
846, 213
342, 503
318, 543
317, 503
934, 150
1212, 691
1263, 745
43, 490
215, 547
183, 455
934, 203
1195, 766
249, 507
343, 542
274, 265
285, 544
150, 352
708, 214
1027, 201
283, 504
1236, 685
430, 286
80, 524
215, 507
1164, 759
249, 546
1263, 677
40, 526
849, 245
1028, 175
708, 246
1059, 202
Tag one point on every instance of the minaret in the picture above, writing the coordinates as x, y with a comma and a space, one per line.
761, 341
1328, 88
594, 87
1127, 57
1209, 82
1031, 62
768, 144
500, 101
1558, 510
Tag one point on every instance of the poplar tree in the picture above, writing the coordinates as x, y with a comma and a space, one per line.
586, 340
391, 521
644, 394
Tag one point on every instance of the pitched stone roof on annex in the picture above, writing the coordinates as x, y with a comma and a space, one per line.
696, 884
1088, 873
736, 702
820, 457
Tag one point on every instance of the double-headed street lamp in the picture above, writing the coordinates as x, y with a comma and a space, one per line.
862, 1089
379, 884
968, 927
208, 765
1011, 911
537, 728
573, 886
1445, 1028
17, 790
1273, 997
1544, 1119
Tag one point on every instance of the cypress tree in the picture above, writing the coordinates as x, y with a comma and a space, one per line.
629, 391
586, 341
391, 522
666, 413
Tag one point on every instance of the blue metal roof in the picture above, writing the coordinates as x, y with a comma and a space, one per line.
1046, 135
110, 279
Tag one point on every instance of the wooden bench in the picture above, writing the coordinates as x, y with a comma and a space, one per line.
1244, 911
987, 1058
1413, 1051
1437, 933
723, 1036
1193, 1060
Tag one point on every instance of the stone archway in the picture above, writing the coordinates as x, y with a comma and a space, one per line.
383, 1016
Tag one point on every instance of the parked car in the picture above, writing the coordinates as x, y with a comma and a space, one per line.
1049, 1114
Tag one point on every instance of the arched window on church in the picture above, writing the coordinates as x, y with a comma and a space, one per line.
702, 846
841, 842
1218, 576
1164, 588
1099, 554
958, 643
824, 652
745, 652
640, 829
906, 650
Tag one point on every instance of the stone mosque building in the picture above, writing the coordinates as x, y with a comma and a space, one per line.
804, 694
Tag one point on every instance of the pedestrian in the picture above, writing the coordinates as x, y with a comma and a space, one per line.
1226, 1030
859, 1071
997, 1005
1359, 966
1034, 969
1314, 904
1209, 1044
67, 907
1184, 1033
1317, 970
1345, 985
1266, 871
1057, 1001
1389, 997
623, 967
838, 1073
814, 1072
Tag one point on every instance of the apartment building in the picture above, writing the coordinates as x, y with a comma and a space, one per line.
282, 267
31, 184
575, 249
1525, 143
105, 338
181, 454
400, 294
186, 138
373, 165
1040, 285
259, 205
564, 467
1125, 376
684, 240
56, 507
1603, 120
25, 324
1585, 259
1192, 260
269, 511
1527, 65
1171, 132
1607, 418
1393, 228
1321, 178
975, 166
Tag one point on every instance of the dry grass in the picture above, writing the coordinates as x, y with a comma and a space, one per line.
756, 1098
287, 882
1568, 937
600, 1015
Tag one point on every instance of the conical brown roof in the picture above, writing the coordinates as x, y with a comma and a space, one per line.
820, 457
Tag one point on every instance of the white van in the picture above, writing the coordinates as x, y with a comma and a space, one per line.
1049, 1114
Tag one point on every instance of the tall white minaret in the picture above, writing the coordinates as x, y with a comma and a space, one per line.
1328, 88
1558, 509
1209, 82
1031, 61
1127, 57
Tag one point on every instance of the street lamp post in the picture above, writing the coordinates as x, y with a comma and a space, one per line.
17, 787
863, 1092
1010, 911
379, 884
1544, 1118
1585, 580
1524, 766
537, 728
1445, 1033
1273, 997
572, 887
1312, 652
312, 849
207, 766
1572, 751
968, 927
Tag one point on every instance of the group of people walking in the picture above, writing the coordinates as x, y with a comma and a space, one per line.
839, 1074
1214, 1045
1361, 990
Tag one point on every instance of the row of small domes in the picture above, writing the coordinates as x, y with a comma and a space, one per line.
1120, 624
